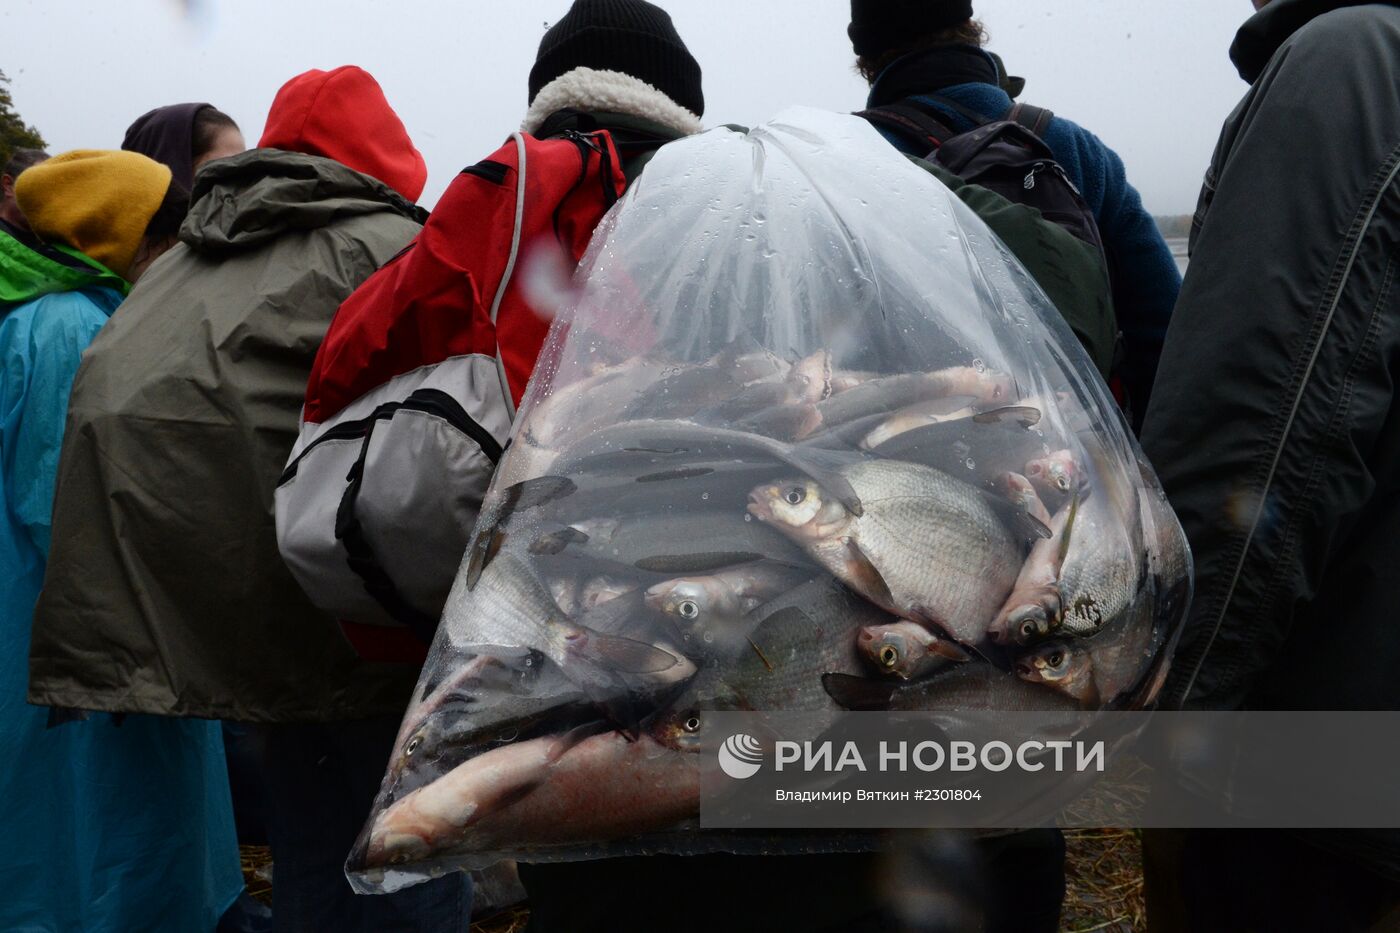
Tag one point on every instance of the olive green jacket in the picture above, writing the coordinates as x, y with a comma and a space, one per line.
165, 592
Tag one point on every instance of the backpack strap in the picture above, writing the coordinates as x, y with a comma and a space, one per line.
1036, 119
519, 220
909, 121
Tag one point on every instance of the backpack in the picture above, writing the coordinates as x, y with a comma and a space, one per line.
412, 393
1008, 157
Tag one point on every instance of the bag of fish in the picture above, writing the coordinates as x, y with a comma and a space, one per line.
805, 437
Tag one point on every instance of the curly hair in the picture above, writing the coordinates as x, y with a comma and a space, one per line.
971, 32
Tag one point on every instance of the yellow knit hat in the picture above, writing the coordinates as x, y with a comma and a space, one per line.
97, 201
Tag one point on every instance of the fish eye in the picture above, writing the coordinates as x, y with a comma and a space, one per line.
688, 609
795, 495
692, 723
1056, 658
412, 745
1062, 481
888, 656
1028, 628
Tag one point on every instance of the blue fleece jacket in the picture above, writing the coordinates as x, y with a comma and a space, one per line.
1145, 277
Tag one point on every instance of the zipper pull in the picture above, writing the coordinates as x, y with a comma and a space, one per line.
1029, 183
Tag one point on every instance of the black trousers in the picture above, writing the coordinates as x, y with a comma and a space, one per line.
1261, 881
321, 781
1016, 883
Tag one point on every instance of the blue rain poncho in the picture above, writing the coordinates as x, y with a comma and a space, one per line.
109, 826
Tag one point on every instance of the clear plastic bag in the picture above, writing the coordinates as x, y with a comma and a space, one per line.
806, 437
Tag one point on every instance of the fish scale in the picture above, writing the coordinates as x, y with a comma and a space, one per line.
1101, 573
918, 519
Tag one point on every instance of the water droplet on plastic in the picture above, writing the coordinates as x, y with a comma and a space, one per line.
748, 518
971, 464
704, 495
980, 366
529, 662
709, 637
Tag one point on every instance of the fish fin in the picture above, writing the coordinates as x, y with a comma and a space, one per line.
556, 541
858, 693
484, 549
1069, 531
946, 648
1027, 416
784, 422
783, 614
867, 576
624, 655
532, 493
817, 464
1022, 524
669, 475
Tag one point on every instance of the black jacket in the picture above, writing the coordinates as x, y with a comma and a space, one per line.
1273, 424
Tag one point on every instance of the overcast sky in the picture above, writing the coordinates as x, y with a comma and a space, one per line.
1152, 79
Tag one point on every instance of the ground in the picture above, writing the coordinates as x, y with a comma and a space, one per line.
1104, 873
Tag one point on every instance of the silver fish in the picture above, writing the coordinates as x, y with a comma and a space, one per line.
927, 547
964, 687
711, 610
1101, 574
1099, 670
907, 650
519, 615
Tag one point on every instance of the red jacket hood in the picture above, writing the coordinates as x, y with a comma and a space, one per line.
343, 115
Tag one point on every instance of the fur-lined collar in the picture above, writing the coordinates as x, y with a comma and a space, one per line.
589, 89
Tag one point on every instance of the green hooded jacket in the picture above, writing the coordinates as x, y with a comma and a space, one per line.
165, 592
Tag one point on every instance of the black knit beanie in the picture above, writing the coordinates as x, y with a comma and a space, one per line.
630, 36
880, 25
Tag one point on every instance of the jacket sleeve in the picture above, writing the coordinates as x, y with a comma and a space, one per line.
1146, 281
1273, 403
61, 326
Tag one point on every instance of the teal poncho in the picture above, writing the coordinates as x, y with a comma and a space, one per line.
108, 827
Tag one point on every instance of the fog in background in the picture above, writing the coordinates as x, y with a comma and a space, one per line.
1152, 79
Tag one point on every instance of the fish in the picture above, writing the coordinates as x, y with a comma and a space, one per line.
965, 687
711, 610
554, 790
496, 511
576, 595
481, 705
796, 638
1055, 475
907, 650
977, 448
1036, 596
670, 542
934, 411
927, 547
1019, 491
1097, 671
809, 380
1100, 576
889, 394
513, 613
673, 444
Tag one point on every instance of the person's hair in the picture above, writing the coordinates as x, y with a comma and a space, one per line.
165, 222
22, 159
208, 123
971, 32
